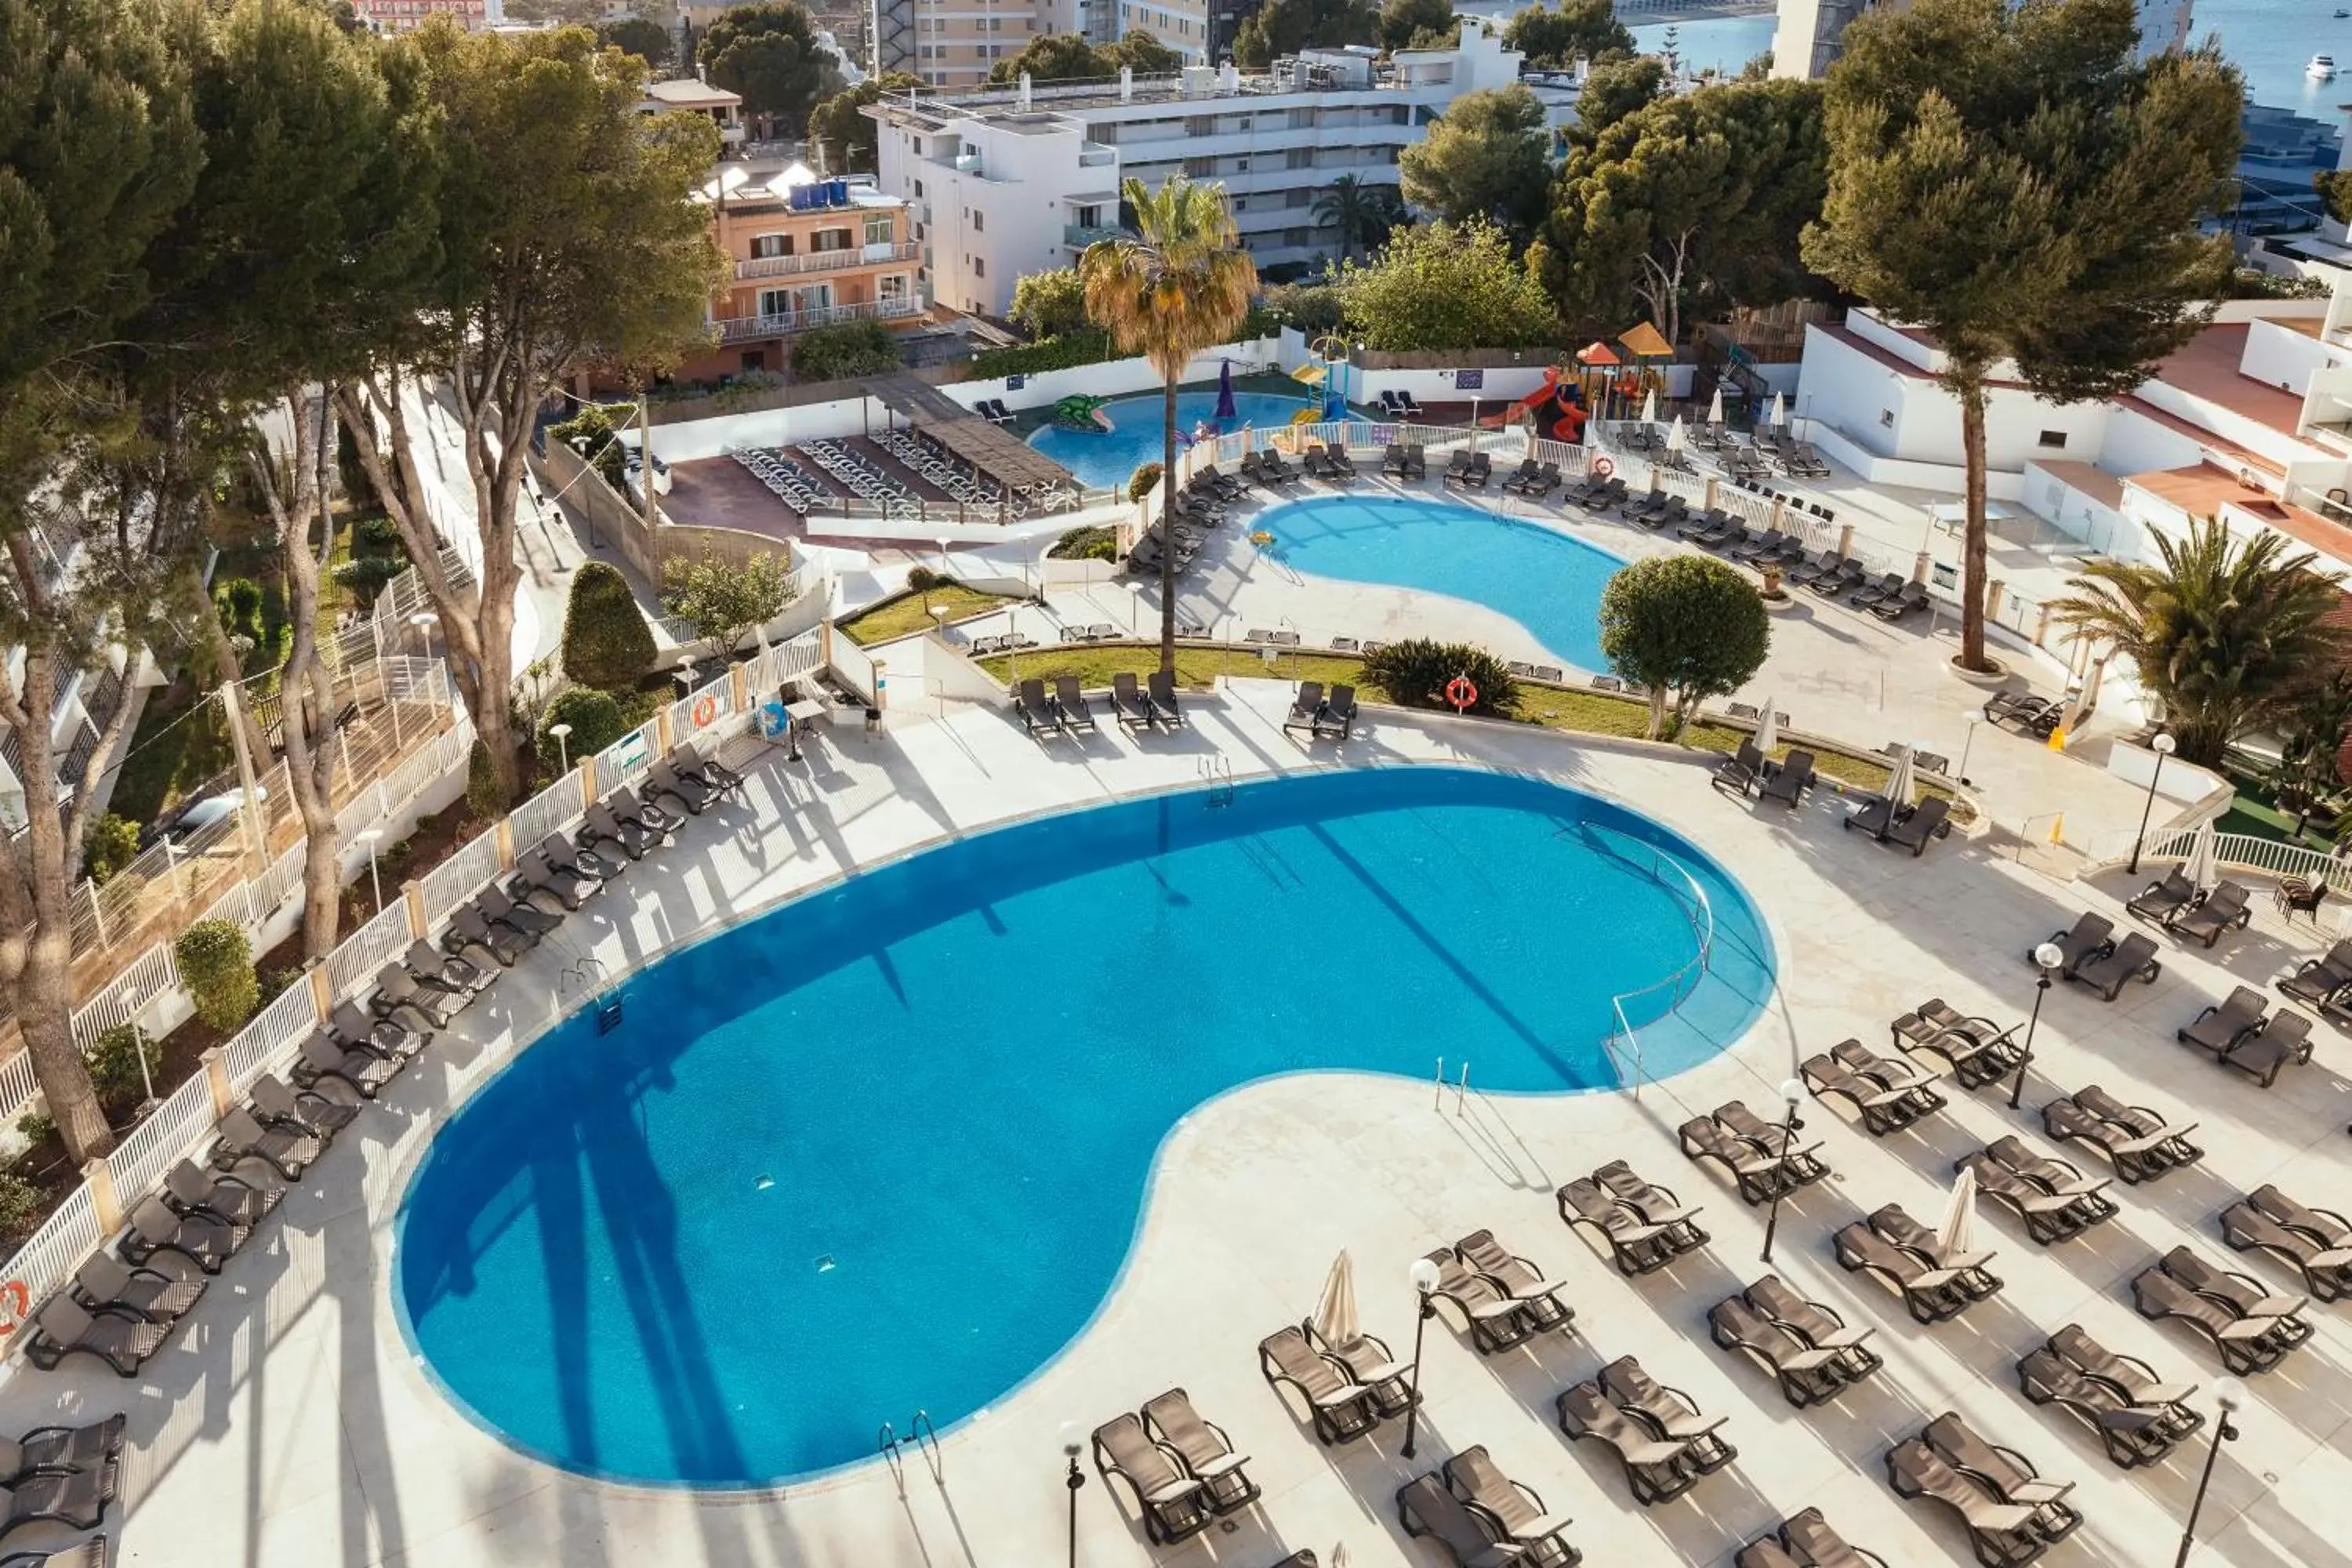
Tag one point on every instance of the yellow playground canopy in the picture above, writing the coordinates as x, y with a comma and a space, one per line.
1645, 341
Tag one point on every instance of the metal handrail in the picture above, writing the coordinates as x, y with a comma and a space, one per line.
1700, 911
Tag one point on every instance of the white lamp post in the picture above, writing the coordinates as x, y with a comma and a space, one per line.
563, 733
1792, 1094
2046, 958
375, 881
2164, 745
424, 621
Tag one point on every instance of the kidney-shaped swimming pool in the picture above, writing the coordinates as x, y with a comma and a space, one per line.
885, 1147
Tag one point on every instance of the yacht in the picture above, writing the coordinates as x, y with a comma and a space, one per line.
2322, 66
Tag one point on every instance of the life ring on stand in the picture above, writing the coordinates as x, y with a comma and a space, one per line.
1602, 468
1462, 692
16, 1304
705, 712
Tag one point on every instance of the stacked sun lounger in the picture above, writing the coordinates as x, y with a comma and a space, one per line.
863, 478
2012, 1516
1887, 1093
2316, 1243
1905, 1257
967, 485
1807, 1347
1663, 1442
1978, 1050
1645, 1227
1762, 1158
2138, 1142
786, 479
2023, 711
1182, 1469
2137, 1418
1502, 1298
2250, 1329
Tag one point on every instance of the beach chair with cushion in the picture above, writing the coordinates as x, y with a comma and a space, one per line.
1168, 1499
1206, 1453
2220, 911
86, 1447
1805, 1166
2001, 1534
1656, 1468
1540, 1308
1807, 1374
2092, 936
1373, 1366
2160, 900
1979, 1050
2326, 1271
1306, 706
1759, 1177
1668, 1412
2055, 1177
1637, 1245
1162, 687
1931, 1294
601, 829
2217, 1029
1426, 1508
501, 909
1894, 1072
2133, 958
1788, 782
1816, 1324
1885, 1109
1039, 716
1497, 1320
2136, 1156
306, 1110
1515, 1507
361, 1071
2284, 1037
2007, 1473
1340, 1408
1127, 703
664, 778
285, 1149
2317, 980
2133, 1434
2047, 1217
1337, 719
2245, 1344
159, 1292
469, 934
64, 1326
203, 1239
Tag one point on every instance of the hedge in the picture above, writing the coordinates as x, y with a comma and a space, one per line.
215, 965
606, 642
1070, 350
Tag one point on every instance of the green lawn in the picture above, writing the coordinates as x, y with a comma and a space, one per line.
913, 614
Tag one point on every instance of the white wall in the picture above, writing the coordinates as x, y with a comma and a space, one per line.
2107, 529
690, 439
2282, 357
2139, 444
1847, 388
1999, 485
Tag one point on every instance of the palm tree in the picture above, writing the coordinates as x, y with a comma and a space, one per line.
2229, 634
1345, 205
1179, 284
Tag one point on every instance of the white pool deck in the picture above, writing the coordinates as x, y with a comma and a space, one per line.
286, 1426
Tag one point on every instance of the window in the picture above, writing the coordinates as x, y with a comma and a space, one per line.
918, 190
980, 267
879, 229
1300, 158
1201, 125
775, 302
2053, 439
979, 221
1090, 217
1886, 417
893, 286
1241, 203
1200, 168
829, 239
1295, 198
1297, 237
765, 245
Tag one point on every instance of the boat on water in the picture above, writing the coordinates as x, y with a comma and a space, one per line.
2322, 66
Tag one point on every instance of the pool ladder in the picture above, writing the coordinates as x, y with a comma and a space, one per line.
921, 1437
1217, 773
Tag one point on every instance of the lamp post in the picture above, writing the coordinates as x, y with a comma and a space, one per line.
2047, 958
1074, 1479
1424, 1275
375, 881
563, 733
684, 674
1792, 1094
424, 621
1967, 746
2228, 1394
2163, 746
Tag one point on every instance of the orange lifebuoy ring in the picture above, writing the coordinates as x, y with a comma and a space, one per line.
1602, 468
705, 712
16, 1301
1462, 691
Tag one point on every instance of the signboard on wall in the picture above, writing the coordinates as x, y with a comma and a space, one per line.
1469, 380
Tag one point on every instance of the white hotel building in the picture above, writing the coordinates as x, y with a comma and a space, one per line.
1021, 180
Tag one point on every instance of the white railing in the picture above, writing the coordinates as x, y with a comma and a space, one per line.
52, 1253
552, 810
822, 261
702, 709
453, 880
275, 1031
803, 656
2249, 852
17, 1084
1678, 985
737, 329
367, 950
162, 1141
126, 995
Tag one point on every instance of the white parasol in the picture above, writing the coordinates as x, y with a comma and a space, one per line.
2204, 867
1779, 412
1768, 729
1956, 1236
1649, 407
1899, 782
1339, 1555
1335, 1315
1715, 408
1676, 434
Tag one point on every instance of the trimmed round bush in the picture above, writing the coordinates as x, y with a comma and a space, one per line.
1417, 671
1140, 484
217, 966
606, 642
596, 721
114, 1069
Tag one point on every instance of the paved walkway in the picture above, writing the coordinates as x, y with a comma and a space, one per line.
288, 1425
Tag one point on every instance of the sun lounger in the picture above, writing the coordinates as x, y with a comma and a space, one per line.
1473, 1476
1637, 1245
2092, 937
1497, 1320
1076, 711
1759, 1176
1337, 719
1885, 1109
1814, 1323
1656, 1468
2241, 1293
1898, 1227
1168, 1499
1039, 715
630, 806
2217, 1029
1426, 1508
1668, 1412
469, 932
1805, 1541
2136, 1157
1913, 832
2088, 1197
1789, 781
90, 1553
2222, 910
501, 908
1127, 703
161, 1291
75, 1499
1206, 1453
1805, 1166
694, 763
2326, 1270
2003, 1535
2317, 980
2036, 716
2246, 1343
224, 1194
288, 1151
1931, 1294
1340, 1408
2006, 1473
307, 1111
1741, 771
601, 827
323, 1057
1540, 1308
2133, 1378
2133, 1434
2284, 1037
1979, 1050
397, 992
664, 778
205, 1239
63, 1448
1336, 452
445, 972
2160, 900
1807, 1375
63, 1327
582, 860
1909, 600
1369, 1360
2047, 1217
1306, 706
1873, 816
570, 887
1655, 1205
1161, 686
2133, 958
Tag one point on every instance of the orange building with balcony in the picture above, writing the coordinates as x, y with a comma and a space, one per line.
804, 251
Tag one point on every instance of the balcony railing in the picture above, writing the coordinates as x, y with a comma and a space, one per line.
743, 328
1081, 234
821, 262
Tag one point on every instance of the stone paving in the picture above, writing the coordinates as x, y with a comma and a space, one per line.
287, 1424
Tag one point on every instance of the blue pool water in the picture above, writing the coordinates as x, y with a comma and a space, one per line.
1546, 581
884, 1148
1138, 431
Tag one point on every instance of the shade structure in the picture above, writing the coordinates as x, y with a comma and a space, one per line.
2203, 867
1335, 1315
1597, 354
1715, 407
1899, 782
1226, 391
1645, 341
1768, 731
1958, 1234
1676, 434
1779, 412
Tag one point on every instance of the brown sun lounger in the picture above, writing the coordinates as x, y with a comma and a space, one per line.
1538, 1298
1341, 1408
75, 1499
1427, 1509
2007, 1473
1807, 1374
2049, 1215
469, 932
2316, 981
1805, 1166
2137, 1156
1371, 1364
2127, 1375
2217, 1029
2132, 1434
2318, 1243
1668, 1412
285, 1149
1519, 1509
1655, 1468
2133, 958
2246, 1345
203, 1238
2001, 1534
2091, 936
1883, 1109
2284, 1038
1978, 1050
2160, 900
1169, 1499
1931, 1294
64, 1326
1495, 1318
1208, 1454
2220, 911
1898, 1227
156, 1291
323, 1058
1758, 1176
222, 1194
307, 1111
86, 1447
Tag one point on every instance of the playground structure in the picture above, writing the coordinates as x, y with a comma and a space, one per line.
1557, 395
1606, 382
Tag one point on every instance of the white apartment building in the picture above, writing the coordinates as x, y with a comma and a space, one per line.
954, 44
2250, 421
1022, 179
1809, 37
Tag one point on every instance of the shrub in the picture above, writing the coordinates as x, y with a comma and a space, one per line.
596, 721
922, 579
217, 966
606, 642
1070, 349
239, 600
1141, 482
112, 843
274, 981
1050, 303
377, 536
844, 350
1688, 625
1416, 672
365, 575
482, 792
114, 1065
22, 1205
1086, 544
37, 1128
593, 433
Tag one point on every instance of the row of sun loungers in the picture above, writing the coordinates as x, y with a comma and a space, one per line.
2317, 1243
2250, 1329
2137, 1418
1320, 716
60, 1475
1804, 1540
1526, 672
1482, 1518
1904, 1256
1749, 771
2012, 1516
1808, 1348
1762, 1158
1182, 1469
1645, 1227
2240, 1034
1067, 711
1901, 824
1470, 470
1978, 1051
2091, 956
1662, 1441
